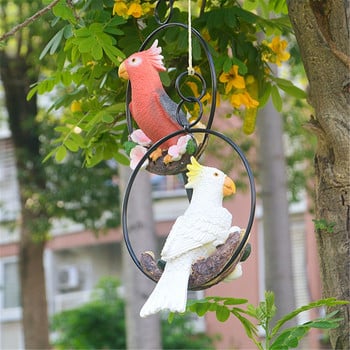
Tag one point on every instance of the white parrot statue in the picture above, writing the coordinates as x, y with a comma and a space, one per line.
194, 235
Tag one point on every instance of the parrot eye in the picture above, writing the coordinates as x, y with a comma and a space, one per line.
135, 61
216, 174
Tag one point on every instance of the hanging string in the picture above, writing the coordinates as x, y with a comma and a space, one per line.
190, 68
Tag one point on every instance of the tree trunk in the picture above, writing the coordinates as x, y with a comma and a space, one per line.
34, 303
16, 80
322, 32
277, 241
142, 333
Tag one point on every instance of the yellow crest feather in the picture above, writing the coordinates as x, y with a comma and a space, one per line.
194, 169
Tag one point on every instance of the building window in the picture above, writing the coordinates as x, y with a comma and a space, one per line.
11, 287
165, 186
9, 201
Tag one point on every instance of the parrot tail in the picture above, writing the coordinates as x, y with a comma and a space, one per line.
170, 293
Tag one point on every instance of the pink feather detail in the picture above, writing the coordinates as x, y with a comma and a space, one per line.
136, 155
154, 56
176, 151
140, 137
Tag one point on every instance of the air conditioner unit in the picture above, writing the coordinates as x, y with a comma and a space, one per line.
68, 277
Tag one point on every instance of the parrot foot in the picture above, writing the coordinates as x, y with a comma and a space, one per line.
156, 154
168, 159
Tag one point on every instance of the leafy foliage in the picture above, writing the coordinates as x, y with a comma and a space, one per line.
94, 37
100, 324
181, 334
276, 337
85, 195
96, 325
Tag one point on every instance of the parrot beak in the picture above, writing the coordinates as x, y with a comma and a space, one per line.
122, 73
229, 187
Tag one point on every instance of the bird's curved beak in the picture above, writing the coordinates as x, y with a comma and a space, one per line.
122, 73
229, 187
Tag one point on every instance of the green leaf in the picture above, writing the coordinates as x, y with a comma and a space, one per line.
315, 304
289, 338
66, 77
280, 6
266, 95
248, 16
68, 31
222, 313
164, 77
49, 155
235, 301
96, 28
229, 18
191, 147
325, 324
280, 341
113, 30
32, 91
121, 158
71, 145
294, 91
107, 118
128, 146
78, 139
61, 153
196, 50
64, 11
96, 51
289, 87
82, 32
53, 44
242, 68
171, 317
227, 65
85, 44
249, 327
113, 53
276, 98
213, 306
202, 308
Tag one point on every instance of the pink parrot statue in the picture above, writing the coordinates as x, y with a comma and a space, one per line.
150, 106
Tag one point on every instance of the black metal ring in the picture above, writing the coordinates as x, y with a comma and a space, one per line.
200, 114
143, 159
170, 8
190, 98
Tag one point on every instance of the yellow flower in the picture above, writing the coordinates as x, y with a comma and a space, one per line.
250, 79
91, 64
120, 8
193, 86
278, 47
243, 98
147, 7
75, 106
232, 79
135, 10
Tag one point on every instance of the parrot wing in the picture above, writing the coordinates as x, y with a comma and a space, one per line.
166, 103
189, 233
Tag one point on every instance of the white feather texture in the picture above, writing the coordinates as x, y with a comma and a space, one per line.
204, 225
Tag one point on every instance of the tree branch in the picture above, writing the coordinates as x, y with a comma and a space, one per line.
29, 20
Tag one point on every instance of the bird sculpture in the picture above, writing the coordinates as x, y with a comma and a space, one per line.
205, 225
155, 113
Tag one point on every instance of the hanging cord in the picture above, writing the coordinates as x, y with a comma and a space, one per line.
190, 68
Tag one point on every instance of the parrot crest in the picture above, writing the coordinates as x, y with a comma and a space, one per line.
194, 170
153, 55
